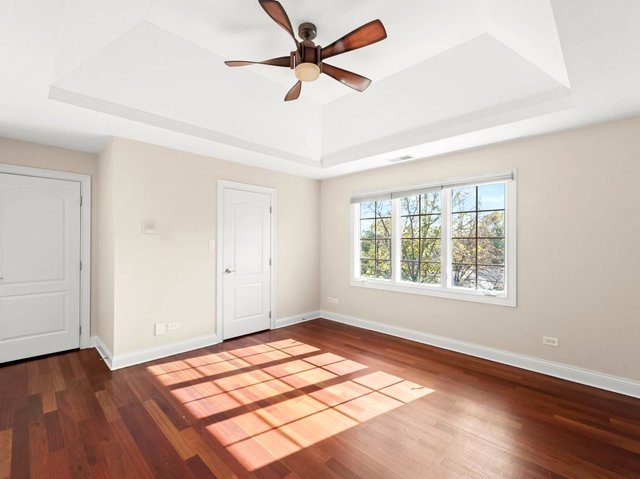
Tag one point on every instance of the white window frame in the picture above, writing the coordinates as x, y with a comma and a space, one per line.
507, 297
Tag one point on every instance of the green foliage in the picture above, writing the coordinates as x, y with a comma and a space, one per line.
421, 232
478, 244
375, 239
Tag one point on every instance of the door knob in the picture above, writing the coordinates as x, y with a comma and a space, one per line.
229, 271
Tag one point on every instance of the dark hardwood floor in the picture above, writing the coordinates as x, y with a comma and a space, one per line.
315, 400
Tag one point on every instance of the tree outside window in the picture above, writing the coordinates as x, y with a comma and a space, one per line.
375, 239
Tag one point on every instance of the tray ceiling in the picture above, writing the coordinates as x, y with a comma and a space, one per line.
449, 70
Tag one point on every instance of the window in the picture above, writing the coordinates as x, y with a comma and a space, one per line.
478, 237
455, 239
375, 239
421, 244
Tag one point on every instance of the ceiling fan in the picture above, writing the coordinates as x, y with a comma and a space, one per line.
307, 60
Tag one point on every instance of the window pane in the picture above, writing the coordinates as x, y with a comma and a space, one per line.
375, 239
491, 224
409, 271
430, 203
491, 197
367, 229
410, 226
383, 208
409, 205
463, 251
430, 226
368, 268
367, 249
410, 249
383, 228
463, 276
384, 249
464, 199
491, 278
367, 210
491, 251
430, 251
384, 269
430, 273
463, 225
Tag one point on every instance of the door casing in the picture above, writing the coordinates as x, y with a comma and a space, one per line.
222, 185
85, 236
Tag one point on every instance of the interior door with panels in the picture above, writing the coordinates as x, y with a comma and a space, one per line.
246, 257
39, 266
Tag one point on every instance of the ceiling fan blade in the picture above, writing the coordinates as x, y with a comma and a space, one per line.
363, 36
352, 80
277, 62
275, 10
294, 93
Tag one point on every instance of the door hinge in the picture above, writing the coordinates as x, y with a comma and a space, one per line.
80, 265
269, 314
81, 201
270, 209
80, 329
269, 261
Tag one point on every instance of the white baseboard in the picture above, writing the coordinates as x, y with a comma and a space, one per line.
596, 379
137, 357
105, 352
298, 318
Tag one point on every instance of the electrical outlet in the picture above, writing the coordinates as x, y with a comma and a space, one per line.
173, 326
160, 329
548, 341
332, 300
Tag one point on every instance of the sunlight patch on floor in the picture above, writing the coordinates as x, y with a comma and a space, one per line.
260, 422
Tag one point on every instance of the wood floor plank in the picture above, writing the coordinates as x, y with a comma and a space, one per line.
55, 436
137, 467
199, 469
179, 444
156, 450
39, 451
6, 438
208, 454
314, 400
20, 460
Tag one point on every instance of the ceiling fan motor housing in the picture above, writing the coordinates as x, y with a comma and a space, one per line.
307, 31
307, 60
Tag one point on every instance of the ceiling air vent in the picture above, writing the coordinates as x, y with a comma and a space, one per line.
401, 158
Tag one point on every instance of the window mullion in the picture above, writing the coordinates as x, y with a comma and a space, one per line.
395, 241
445, 240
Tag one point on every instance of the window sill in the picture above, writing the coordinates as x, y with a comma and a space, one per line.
474, 296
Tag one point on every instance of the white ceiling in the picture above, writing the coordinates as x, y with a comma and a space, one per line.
453, 74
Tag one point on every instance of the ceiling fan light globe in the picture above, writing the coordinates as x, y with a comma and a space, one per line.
307, 72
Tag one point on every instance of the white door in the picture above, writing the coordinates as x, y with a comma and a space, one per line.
246, 254
39, 266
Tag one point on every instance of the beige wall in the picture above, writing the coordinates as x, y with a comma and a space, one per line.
46, 157
105, 258
578, 227
171, 277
